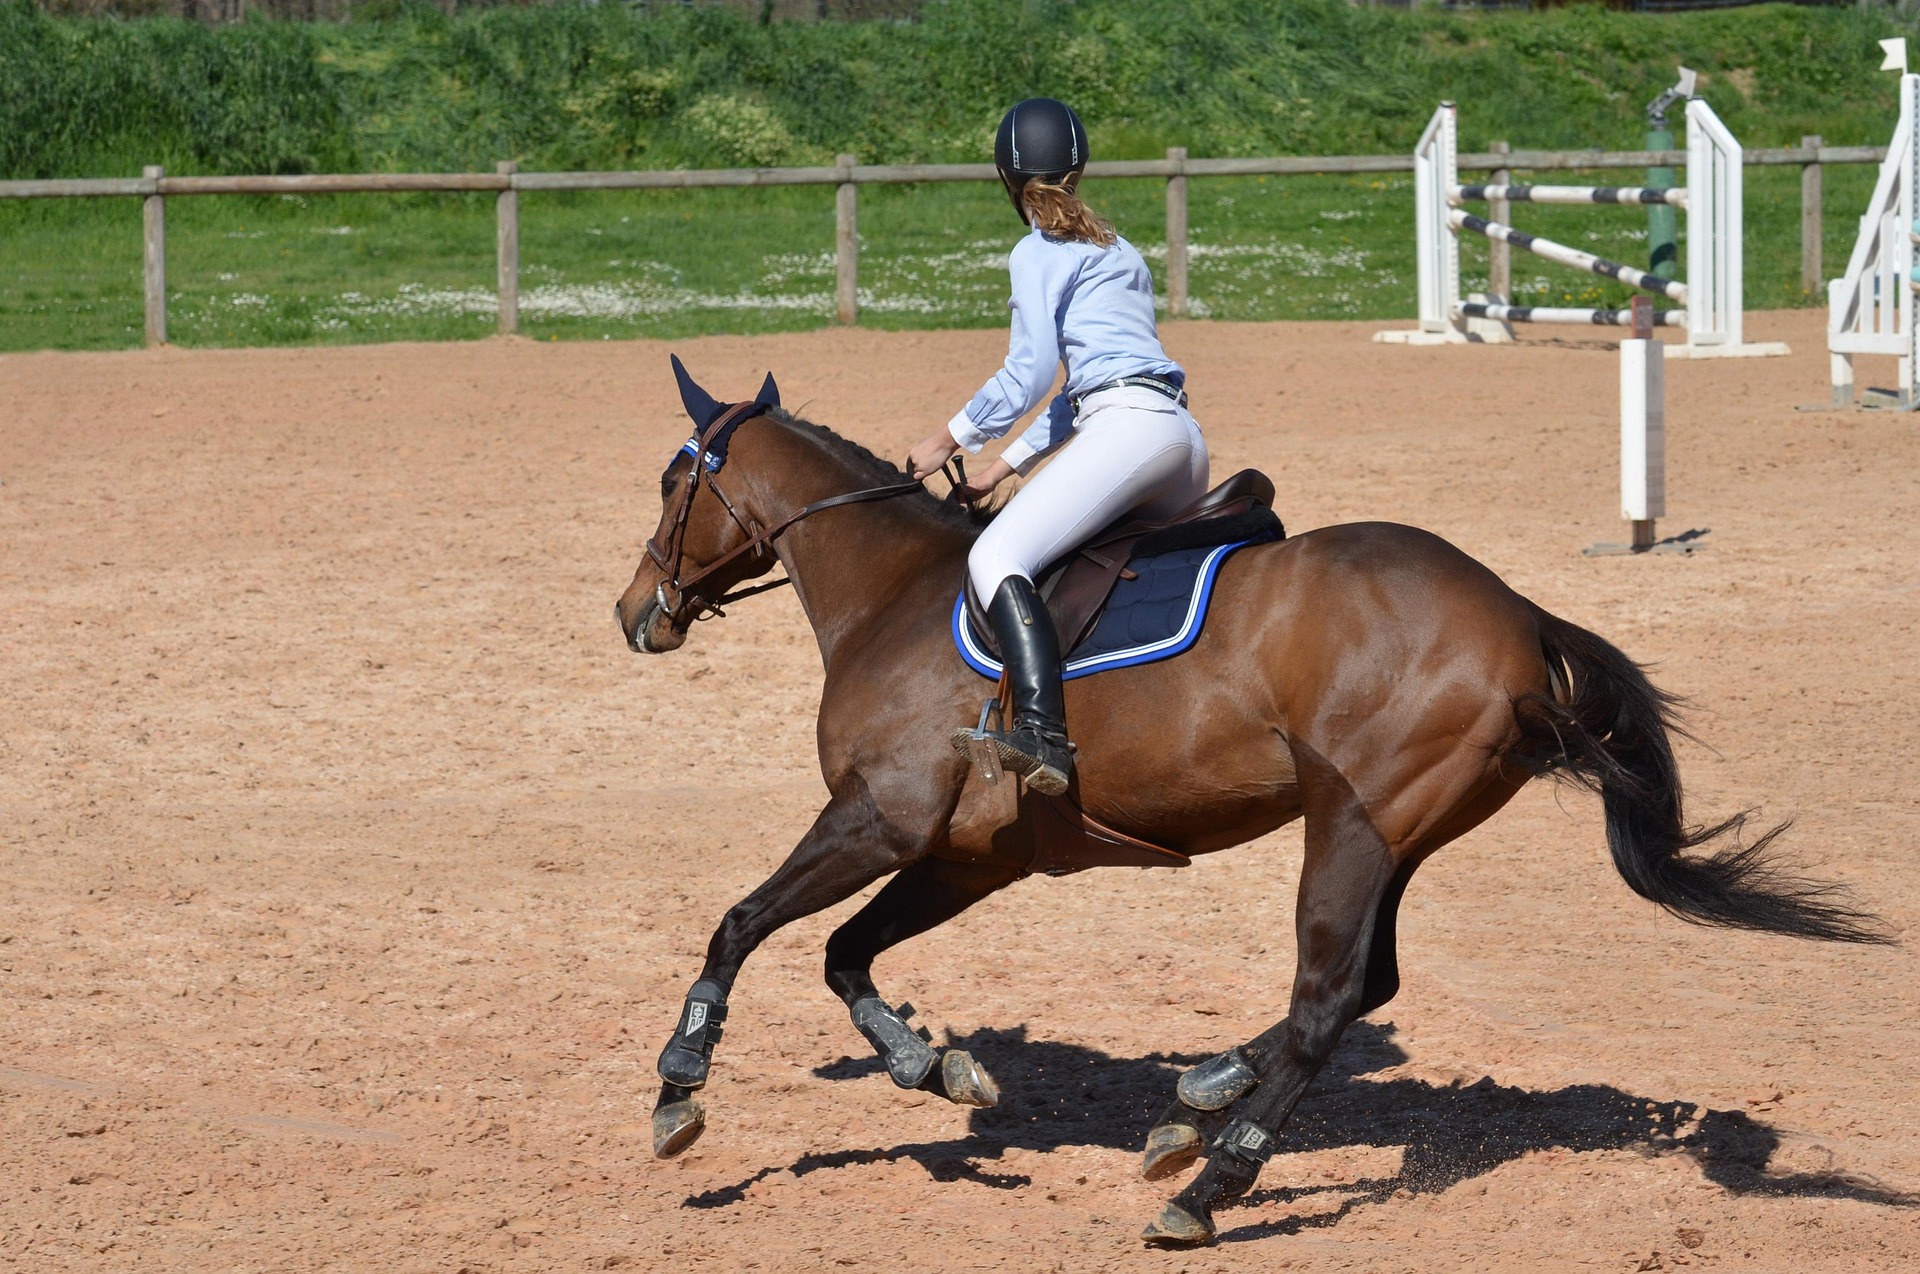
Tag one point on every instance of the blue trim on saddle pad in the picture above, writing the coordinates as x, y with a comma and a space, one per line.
1169, 598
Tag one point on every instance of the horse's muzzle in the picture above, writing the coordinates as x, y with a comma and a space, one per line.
653, 631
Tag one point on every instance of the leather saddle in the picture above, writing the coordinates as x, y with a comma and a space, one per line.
1077, 586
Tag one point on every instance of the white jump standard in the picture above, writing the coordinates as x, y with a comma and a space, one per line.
1872, 308
1711, 292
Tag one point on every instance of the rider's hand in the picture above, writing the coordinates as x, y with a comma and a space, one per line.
930, 453
984, 482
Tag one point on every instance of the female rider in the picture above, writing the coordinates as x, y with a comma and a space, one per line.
1082, 296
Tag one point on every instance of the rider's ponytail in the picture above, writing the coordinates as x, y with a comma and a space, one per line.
1057, 209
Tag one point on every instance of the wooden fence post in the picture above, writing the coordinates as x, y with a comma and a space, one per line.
1499, 252
1811, 227
155, 209
1177, 234
846, 244
506, 237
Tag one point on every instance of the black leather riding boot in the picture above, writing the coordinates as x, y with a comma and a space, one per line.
1036, 748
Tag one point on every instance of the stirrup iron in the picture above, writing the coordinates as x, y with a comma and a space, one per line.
980, 749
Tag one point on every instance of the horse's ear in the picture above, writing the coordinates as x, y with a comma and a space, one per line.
701, 406
769, 395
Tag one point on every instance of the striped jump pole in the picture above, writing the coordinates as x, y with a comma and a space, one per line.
1573, 257
1677, 195
1710, 302
1548, 314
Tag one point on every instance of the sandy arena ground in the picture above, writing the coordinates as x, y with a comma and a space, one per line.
355, 869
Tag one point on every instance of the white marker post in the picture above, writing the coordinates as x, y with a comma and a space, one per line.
1643, 441
1643, 430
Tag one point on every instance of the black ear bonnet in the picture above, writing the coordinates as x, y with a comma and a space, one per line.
703, 408
1040, 139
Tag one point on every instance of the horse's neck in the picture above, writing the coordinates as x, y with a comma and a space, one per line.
851, 565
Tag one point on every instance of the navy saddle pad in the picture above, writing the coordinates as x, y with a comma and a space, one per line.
1155, 616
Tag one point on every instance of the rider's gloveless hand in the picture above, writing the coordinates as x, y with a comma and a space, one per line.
930, 453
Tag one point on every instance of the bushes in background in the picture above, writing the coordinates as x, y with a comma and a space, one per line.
609, 86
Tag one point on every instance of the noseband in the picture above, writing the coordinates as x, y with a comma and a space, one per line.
671, 556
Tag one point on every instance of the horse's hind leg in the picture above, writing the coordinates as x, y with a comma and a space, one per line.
1181, 1133
1356, 870
1347, 872
849, 846
929, 893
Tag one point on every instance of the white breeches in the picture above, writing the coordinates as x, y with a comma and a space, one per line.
1133, 451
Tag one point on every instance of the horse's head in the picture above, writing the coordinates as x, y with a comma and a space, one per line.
704, 544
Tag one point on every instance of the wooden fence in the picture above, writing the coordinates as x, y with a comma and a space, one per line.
154, 187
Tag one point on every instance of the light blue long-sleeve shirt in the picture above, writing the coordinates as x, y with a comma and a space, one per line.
1078, 303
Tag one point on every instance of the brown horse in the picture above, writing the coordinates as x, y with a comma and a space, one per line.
1369, 678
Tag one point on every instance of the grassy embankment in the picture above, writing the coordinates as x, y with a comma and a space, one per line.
605, 87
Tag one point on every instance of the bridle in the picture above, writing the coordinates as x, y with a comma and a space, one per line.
670, 557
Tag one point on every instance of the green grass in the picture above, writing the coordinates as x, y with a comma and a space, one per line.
352, 268
607, 86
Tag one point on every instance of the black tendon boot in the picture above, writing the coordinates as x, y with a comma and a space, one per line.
1036, 748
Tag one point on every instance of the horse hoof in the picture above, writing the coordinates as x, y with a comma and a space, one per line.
677, 1126
1171, 1149
1177, 1227
966, 1081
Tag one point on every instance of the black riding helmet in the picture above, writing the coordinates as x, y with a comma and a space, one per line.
1040, 139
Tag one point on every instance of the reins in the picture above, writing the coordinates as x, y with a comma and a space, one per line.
670, 557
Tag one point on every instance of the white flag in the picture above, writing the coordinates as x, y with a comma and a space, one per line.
1896, 59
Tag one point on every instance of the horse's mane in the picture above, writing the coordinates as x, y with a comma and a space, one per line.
883, 472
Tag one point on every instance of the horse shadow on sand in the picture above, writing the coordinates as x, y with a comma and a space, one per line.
1056, 1095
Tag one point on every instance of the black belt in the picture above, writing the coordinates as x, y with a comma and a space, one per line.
1158, 384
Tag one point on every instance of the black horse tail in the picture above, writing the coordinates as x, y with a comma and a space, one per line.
1609, 729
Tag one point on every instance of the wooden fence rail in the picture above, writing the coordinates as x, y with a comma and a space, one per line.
154, 186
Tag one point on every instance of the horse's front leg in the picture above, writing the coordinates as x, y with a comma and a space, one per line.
929, 893
850, 845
